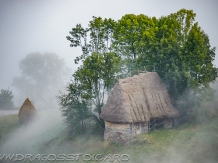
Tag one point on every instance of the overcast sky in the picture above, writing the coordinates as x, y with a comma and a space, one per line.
28, 26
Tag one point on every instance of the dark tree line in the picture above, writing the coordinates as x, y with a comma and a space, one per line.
6, 99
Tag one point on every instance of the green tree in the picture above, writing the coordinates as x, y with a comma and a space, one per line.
128, 32
97, 37
180, 52
100, 64
96, 77
75, 107
6, 99
196, 57
174, 46
128, 41
177, 49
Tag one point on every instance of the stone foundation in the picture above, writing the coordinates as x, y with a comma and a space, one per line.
123, 132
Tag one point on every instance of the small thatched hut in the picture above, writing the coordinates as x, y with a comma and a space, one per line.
137, 105
27, 112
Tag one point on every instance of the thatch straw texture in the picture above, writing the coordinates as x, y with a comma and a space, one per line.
137, 99
27, 112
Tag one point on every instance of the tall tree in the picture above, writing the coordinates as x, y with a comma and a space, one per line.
170, 48
197, 57
100, 64
128, 32
43, 75
97, 37
180, 52
128, 38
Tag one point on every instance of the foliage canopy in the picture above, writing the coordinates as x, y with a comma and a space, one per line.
174, 46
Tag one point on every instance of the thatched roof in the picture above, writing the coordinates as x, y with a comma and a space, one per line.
137, 99
26, 112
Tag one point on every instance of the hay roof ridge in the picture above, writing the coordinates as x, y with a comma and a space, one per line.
138, 99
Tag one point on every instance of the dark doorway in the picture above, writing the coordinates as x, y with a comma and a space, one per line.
156, 123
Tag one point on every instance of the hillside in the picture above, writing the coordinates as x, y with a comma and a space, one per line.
188, 143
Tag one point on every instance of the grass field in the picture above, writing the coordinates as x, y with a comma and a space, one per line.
7, 124
186, 144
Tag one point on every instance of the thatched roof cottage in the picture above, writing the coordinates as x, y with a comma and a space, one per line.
137, 105
27, 112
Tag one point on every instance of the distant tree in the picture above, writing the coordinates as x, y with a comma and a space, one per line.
42, 76
6, 99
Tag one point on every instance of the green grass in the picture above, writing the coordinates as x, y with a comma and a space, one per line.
7, 124
188, 143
